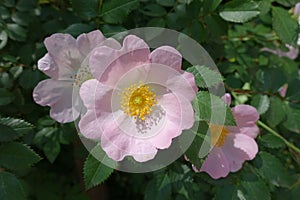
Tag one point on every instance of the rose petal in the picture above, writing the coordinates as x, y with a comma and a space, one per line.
183, 84
58, 95
96, 95
109, 65
168, 56
235, 156
179, 116
88, 125
87, 42
63, 111
216, 164
227, 98
247, 144
112, 43
62, 48
118, 144
47, 65
97, 99
48, 92
246, 117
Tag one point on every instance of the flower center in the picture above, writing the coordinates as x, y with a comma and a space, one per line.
83, 74
138, 100
218, 134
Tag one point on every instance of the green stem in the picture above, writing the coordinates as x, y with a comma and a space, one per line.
290, 145
99, 13
100, 5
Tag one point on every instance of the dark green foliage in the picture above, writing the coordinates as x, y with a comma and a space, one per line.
40, 158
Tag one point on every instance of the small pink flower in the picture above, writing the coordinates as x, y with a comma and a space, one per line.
63, 64
139, 100
292, 52
282, 90
233, 145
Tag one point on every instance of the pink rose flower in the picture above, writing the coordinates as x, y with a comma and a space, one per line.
139, 100
63, 64
232, 145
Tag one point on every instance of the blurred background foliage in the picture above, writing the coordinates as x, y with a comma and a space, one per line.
42, 159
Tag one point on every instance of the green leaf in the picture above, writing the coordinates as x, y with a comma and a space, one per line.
228, 192
156, 22
154, 10
5, 80
4, 14
271, 169
110, 30
210, 5
95, 171
16, 32
216, 26
44, 135
292, 122
261, 103
253, 188
115, 12
10, 187
20, 126
77, 29
173, 21
285, 26
51, 150
200, 145
197, 31
276, 113
213, 109
287, 3
204, 76
185, 1
7, 133
239, 11
8, 3
6, 97
21, 18
293, 92
248, 186
270, 79
26, 5
272, 141
29, 79
16, 156
86, 9
3, 39
166, 2
158, 188
16, 71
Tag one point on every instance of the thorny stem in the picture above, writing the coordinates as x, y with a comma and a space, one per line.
240, 91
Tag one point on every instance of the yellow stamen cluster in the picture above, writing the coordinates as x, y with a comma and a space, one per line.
138, 100
218, 134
